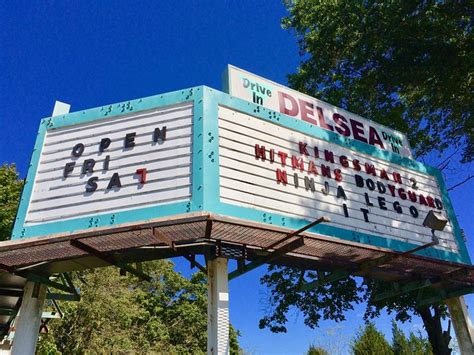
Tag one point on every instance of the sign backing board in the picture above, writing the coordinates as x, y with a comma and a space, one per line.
226, 156
276, 97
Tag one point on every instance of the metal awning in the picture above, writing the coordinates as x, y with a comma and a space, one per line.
214, 235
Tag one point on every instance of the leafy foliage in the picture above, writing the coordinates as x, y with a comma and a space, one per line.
413, 345
316, 350
331, 301
405, 64
369, 341
10, 190
326, 302
119, 314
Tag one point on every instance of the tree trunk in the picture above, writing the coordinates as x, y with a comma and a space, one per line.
438, 338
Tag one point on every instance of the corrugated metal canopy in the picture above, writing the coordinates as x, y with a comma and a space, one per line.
200, 233
211, 235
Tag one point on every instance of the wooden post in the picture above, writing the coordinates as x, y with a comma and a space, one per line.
462, 324
217, 307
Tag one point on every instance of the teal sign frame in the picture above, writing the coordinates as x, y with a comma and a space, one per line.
205, 195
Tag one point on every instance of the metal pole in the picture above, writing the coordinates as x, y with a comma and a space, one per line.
462, 324
217, 307
28, 321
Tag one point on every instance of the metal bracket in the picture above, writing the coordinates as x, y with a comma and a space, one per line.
109, 259
72, 295
363, 268
444, 295
403, 289
243, 268
50, 283
408, 287
299, 231
192, 260
190, 257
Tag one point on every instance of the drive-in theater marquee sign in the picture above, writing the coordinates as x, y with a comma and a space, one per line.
199, 171
202, 150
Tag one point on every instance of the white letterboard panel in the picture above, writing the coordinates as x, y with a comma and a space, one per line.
116, 181
254, 173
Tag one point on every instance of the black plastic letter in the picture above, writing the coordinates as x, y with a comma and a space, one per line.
88, 166
114, 181
104, 144
130, 140
92, 184
77, 150
68, 168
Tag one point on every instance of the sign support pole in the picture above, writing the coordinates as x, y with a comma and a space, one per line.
217, 307
28, 322
462, 323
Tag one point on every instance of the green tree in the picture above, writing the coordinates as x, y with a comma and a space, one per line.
405, 64
333, 300
369, 341
400, 345
10, 190
119, 314
413, 345
419, 345
316, 350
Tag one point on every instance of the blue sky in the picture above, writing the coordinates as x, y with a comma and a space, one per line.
90, 53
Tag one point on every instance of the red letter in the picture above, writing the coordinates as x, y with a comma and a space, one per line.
356, 164
142, 173
430, 201
307, 112
402, 194
297, 163
392, 189
316, 152
344, 162
342, 127
303, 149
383, 174
282, 157
328, 155
338, 175
397, 177
322, 121
312, 168
370, 169
326, 171
260, 152
423, 200
412, 196
282, 177
282, 98
358, 131
374, 137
